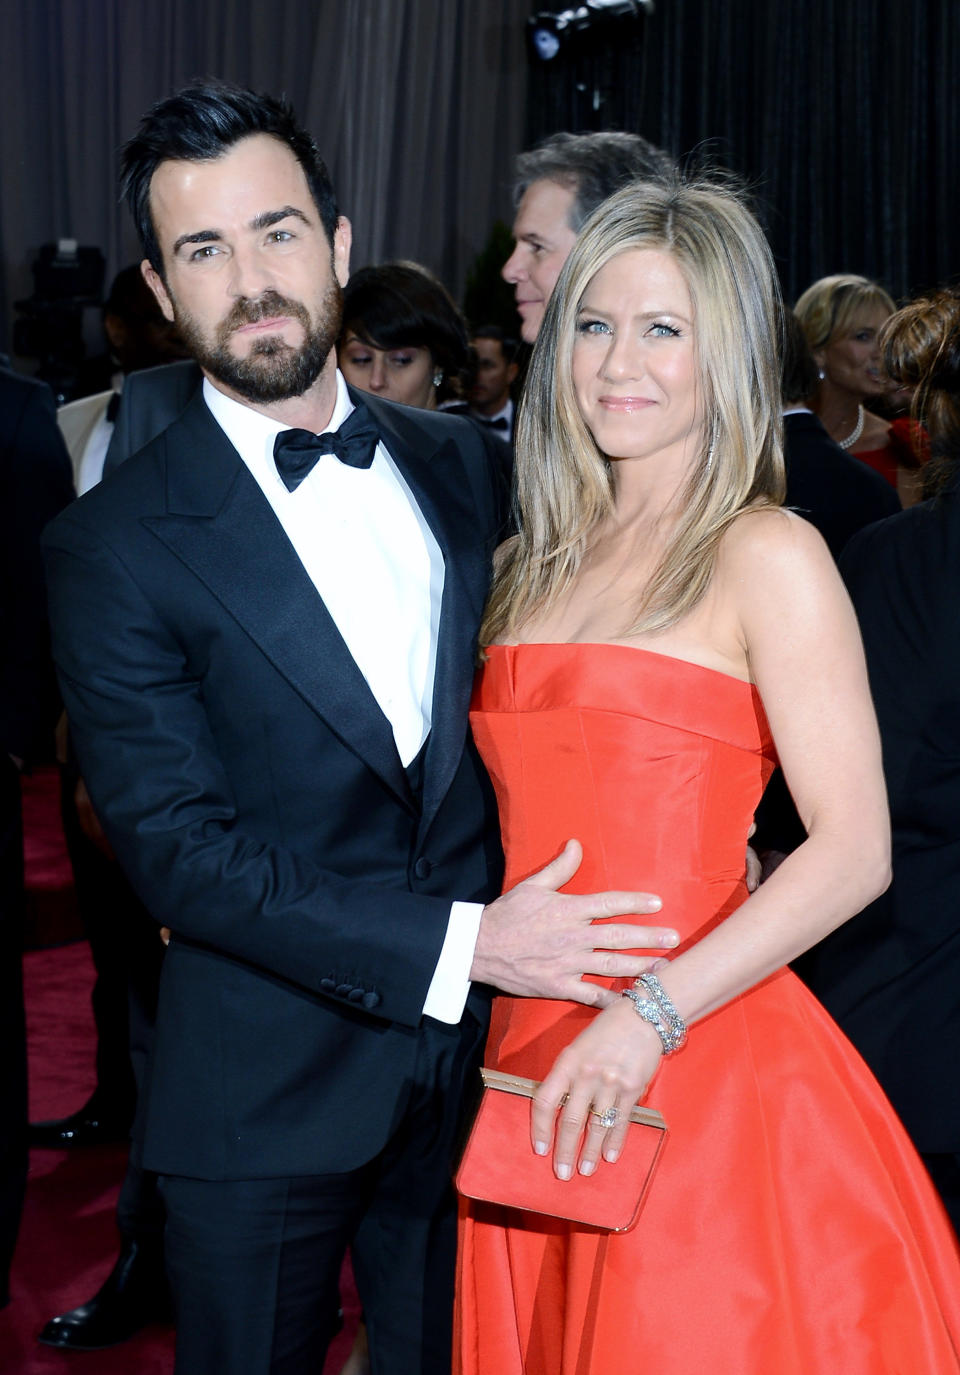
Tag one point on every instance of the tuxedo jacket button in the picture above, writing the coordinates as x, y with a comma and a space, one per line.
343, 990
355, 995
423, 868
370, 1001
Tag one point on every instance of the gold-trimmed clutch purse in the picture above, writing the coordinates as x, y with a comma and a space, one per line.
500, 1166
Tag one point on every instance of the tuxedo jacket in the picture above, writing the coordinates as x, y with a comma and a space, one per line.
891, 975
35, 484
252, 790
152, 399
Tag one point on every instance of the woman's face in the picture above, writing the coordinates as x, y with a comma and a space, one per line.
851, 361
399, 374
634, 359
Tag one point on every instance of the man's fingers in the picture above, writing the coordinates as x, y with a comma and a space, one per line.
560, 870
594, 906
626, 937
754, 870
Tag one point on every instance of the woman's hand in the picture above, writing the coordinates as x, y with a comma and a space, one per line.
609, 1065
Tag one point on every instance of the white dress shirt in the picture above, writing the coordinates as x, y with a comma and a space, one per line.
374, 560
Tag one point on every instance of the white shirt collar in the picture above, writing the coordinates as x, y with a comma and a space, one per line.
251, 432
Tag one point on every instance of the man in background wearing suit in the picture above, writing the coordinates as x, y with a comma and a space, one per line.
265, 627
34, 485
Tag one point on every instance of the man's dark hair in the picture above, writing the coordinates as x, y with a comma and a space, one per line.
508, 346
592, 166
798, 371
201, 123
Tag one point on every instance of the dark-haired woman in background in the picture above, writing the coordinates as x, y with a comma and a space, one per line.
891, 975
842, 316
402, 336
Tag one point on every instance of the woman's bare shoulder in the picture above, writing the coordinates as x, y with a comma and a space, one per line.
770, 533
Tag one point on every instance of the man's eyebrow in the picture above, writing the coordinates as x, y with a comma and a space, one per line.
201, 236
271, 217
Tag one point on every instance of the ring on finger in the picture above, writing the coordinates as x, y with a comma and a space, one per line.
606, 1119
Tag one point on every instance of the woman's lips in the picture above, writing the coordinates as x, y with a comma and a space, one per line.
625, 404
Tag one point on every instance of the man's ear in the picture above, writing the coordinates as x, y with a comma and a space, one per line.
512, 371
155, 282
342, 240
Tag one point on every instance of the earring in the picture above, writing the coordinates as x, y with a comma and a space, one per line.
821, 374
437, 378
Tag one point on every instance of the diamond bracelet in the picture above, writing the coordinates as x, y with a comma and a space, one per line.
659, 1011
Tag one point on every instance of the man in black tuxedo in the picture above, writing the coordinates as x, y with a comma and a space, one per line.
35, 483
266, 642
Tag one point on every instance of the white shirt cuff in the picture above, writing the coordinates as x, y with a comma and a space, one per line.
447, 994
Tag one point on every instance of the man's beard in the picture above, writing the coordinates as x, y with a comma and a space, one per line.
273, 370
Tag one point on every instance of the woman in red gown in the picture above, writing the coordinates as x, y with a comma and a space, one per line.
659, 633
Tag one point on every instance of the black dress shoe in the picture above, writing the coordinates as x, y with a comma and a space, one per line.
88, 1126
134, 1294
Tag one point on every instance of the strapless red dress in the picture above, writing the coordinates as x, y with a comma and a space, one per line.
790, 1228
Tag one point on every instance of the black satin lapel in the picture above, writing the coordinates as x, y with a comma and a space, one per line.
246, 561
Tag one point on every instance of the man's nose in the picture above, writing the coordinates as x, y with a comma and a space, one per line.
512, 269
249, 275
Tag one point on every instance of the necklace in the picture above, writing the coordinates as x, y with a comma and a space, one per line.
857, 430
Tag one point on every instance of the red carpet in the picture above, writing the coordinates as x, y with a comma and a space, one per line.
68, 1239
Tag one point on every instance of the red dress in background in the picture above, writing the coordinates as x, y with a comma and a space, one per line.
790, 1228
907, 446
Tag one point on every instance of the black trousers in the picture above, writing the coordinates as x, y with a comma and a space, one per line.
254, 1264
13, 1047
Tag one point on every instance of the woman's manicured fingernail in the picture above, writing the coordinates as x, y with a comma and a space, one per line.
587, 1166
540, 1147
564, 1171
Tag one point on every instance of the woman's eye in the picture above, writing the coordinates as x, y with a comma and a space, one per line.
663, 331
400, 360
592, 327
358, 360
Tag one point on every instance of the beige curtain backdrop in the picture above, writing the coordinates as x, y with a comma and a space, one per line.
418, 107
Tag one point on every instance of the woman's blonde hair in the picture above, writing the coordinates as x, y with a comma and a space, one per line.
564, 482
828, 308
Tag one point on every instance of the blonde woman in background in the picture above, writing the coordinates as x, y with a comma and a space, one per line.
842, 316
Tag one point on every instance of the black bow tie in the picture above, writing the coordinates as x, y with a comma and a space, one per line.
296, 452
500, 423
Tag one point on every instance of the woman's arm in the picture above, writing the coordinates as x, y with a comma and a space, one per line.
798, 631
